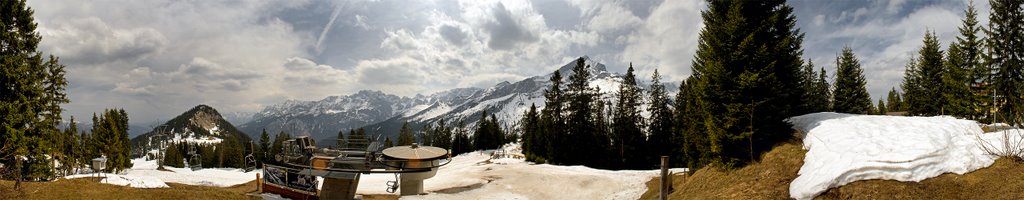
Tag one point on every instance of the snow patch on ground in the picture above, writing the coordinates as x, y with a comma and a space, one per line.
144, 174
843, 148
482, 175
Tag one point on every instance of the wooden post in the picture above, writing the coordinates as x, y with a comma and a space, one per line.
665, 184
259, 183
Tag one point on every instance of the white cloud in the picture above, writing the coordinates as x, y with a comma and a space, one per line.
667, 40
157, 58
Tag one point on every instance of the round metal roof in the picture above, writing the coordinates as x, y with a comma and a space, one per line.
415, 152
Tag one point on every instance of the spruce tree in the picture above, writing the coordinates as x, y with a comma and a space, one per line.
552, 120
957, 93
851, 94
264, 146
33, 90
660, 124
895, 101
531, 133
882, 108
1006, 47
911, 86
824, 91
815, 89
405, 136
483, 136
979, 75
923, 80
629, 138
461, 142
579, 122
747, 77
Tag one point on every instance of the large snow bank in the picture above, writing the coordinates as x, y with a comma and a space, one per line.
481, 175
843, 148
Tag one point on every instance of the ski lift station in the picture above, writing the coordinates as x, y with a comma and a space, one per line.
301, 162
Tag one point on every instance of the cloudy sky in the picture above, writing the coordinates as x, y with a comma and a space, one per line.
158, 58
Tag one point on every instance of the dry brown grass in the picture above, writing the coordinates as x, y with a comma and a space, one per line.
91, 188
770, 178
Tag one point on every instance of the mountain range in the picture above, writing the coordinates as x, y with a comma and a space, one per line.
383, 114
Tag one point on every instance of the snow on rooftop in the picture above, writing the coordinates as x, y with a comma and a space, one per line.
843, 148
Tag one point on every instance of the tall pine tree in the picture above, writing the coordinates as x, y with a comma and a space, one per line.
627, 123
922, 82
660, 123
851, 93
747, 77
1006, 46
33, 90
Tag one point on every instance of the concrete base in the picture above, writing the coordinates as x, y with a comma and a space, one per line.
340, 187
411, 186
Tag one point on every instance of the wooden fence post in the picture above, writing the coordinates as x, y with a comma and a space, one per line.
665, 179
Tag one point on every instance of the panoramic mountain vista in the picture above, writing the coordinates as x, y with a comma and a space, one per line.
512, 99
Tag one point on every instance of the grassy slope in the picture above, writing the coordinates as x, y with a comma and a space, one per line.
90, 188
770, 178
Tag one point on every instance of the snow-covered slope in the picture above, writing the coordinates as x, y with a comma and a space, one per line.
843, 148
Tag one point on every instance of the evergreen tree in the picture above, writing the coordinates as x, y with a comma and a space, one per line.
482, 137
923, 80
979, 75
882, 109
851, 94
579, 122
532, 148
552, 131
461, 143
173, 156
695, 147
895, 101
627, 121
110, 138
602, 128
824, 89
442, 136
426, 134
815, 89
660, 124
264, 147
33, 90
911, 86
405, 136
1006, 48
71, 148
747, 77
957, 93
388, 143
